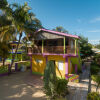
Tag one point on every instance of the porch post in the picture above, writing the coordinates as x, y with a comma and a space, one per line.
64, 46
75, 46
42, 45
21, 57
66, 65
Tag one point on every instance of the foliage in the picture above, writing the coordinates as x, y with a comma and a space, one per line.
94, 69
93, 96
60, 29
3, 69
50, 79
96, 78
53, 86
85, 48
22, 20
26, 64
61, 87
25, 57
4, 50
97, 45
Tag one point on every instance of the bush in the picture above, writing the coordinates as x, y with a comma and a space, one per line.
25, 57
50, 80
96, 78
3, 69
94, 69
93, 96
53, 86
27, 64
61, 87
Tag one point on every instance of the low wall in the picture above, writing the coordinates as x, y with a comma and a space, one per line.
72, 77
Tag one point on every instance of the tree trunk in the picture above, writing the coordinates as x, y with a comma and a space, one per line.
97, 87
3, 61
13, 57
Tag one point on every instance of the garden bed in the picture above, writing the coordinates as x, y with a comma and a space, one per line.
3, 70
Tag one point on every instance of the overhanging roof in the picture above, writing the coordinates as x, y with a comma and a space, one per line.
59, 33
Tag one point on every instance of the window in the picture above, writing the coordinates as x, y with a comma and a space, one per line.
60, 65
38, 61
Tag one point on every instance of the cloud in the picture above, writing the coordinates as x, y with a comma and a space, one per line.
97, 19
94, 31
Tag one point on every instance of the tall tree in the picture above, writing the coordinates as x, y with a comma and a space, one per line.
7, 30
4, 50
60, 29
85, 48
23, 20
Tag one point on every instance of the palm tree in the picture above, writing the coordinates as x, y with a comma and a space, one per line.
23, 21
7, 30
4, 50
60, 29
25, 40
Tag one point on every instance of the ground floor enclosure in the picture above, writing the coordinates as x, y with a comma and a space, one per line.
64, 65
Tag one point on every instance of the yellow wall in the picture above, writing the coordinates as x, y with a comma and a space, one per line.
39, 67
59, 73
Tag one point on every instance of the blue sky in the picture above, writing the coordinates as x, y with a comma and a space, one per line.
76, 16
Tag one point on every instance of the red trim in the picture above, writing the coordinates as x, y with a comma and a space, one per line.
59, 33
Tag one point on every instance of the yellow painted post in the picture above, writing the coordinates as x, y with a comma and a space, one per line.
64, 45
75, 46
21, 57
42, 45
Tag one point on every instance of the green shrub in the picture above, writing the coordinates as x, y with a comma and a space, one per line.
94, 69
27, 64
50, 79
3, 69
61, 87
93, 96
96, 78
25, 57
53, 86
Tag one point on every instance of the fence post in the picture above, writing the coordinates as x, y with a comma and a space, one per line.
9, 68
16, 66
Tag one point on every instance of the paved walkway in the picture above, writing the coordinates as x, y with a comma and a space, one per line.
21, 86
78, 91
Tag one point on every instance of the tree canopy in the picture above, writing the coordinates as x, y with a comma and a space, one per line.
60, 29
85, 48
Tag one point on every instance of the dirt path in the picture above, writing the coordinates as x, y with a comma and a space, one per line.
78, 91
21, 86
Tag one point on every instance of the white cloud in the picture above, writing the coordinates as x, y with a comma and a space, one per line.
97, 19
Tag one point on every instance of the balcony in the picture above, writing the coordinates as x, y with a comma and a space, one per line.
52, 50
53, 46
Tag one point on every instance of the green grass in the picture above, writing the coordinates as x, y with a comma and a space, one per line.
37, 73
